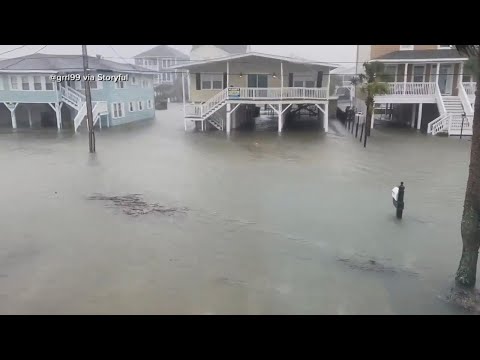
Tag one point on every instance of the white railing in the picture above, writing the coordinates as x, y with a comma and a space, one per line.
213, 102
438, 124
80, 115
470, 88
73, 97
411, 88
467, 106
455, 126
193, 110
439, 99
304, 93
99, 108
260, 93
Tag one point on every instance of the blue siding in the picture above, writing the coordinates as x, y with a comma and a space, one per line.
107, 93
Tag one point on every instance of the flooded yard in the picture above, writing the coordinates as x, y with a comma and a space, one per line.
162, 221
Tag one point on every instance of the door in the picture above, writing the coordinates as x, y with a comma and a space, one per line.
445, 79
257, 80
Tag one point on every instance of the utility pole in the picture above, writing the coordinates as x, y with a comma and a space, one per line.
88, 96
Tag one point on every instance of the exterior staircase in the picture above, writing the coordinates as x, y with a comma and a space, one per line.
216, 121
76, 100
451, 120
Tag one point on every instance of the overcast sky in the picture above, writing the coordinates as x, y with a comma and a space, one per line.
331, 53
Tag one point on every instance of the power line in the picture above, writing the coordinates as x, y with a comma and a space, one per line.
115, 51
23, 58
6, 52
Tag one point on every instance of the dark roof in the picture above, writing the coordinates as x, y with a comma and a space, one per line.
65, 63
163, 51
231, 49
422, 54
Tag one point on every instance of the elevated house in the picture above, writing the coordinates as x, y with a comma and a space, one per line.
160, 59
428, 86
224, 90
49, 90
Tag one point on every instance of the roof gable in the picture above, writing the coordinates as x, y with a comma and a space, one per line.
162, 51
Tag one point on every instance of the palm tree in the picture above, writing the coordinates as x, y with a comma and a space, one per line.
372, 84
470, 228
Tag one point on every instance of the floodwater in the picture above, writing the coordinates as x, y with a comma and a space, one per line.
301, 223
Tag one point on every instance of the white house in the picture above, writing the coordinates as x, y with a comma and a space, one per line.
224, 90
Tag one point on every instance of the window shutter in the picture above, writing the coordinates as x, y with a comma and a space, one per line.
225, 85
319, 79
197, 85
290, 80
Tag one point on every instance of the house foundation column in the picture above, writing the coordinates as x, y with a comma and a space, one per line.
58, 112
325, 117
414, 108
29, 110
12, 107
419, 121
229, 118
280, 117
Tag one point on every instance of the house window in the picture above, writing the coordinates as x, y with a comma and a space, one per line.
134, 80
139, 61
37, 83
149, 104
131, 106
48, 83
212, 81
145, 83
302, 81
25, 83
406, 47
120, 85
13, 83
93, 84
390, 73
140, 106
418, 73
118, 110
166, 63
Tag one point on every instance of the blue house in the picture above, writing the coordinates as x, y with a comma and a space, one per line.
43, 90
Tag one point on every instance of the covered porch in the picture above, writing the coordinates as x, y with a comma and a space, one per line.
221, 86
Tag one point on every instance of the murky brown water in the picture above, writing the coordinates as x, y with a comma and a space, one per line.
301, 223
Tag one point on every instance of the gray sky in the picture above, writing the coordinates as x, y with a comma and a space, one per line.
330, 53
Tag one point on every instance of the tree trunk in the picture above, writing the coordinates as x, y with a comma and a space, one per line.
368, 119
467, 269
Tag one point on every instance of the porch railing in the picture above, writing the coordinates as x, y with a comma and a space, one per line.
411, 88
470, 88
466, 101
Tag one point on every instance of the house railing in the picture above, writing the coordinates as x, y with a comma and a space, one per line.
288, 93
467, 106
470, 88
439, 99
411, 88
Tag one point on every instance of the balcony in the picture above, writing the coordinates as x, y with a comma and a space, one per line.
407, 92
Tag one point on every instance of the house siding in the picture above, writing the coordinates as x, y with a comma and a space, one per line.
236, 69
381, 50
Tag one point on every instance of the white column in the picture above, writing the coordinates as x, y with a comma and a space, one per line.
460, 75
14, 118
325, 116
183, 95
438, 73
58, 112
229, 118
328, 84
29, 116
280, 116
419, 121
405, 79
281, 80
227, 85
414, 107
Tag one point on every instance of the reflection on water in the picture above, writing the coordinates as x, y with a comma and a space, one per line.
268, 219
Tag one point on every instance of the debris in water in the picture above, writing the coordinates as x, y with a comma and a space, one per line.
466, 299
374, 265
133, 205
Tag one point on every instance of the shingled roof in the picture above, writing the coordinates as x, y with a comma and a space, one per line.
163, 51
422, 54
65, 63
